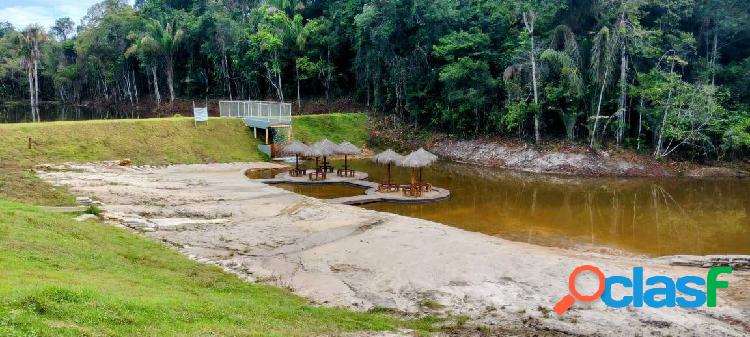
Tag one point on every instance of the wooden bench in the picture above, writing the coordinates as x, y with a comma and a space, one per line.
387, 188
317, 175
297, 172
345, 173
412, 190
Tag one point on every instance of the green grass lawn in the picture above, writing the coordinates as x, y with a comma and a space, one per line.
152, 141
59, 277
337, 127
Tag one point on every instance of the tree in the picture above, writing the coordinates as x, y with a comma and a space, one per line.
163, 40
564, 85
466, 77
684, 110
31, 40
63, 28
532, 12
270, 40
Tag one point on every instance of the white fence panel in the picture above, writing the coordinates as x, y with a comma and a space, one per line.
261, 110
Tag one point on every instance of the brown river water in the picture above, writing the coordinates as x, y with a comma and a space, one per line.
653, 217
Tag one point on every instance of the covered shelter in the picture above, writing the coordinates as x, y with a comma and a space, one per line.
347, 149
417, 160
328, 149
317, 150
388, 157
296, 148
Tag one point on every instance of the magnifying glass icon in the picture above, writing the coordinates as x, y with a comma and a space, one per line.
566, 302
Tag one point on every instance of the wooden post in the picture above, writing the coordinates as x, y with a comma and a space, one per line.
255, 132
29, 143
267, 130
289, 133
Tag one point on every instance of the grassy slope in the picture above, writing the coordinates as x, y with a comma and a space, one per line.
146, 141
64, 278
152, 141
336, 127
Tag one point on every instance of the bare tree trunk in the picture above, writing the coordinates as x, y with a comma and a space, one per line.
640, 124
328, 74
156, 85
623, 95
36, 90
713, 58
299, 100
660, 141
528, 21
598, 109
135, 86
127, 87
170, 82
31, 93
225, 65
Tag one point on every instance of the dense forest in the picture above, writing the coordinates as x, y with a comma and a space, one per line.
666, 77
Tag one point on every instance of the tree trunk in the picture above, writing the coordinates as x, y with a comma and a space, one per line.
328, 74
170, 82
156, 86
640, 124
31, 93
623, 95
299, 100
36, 90
225, 65
713, 57
660, 140
135, 86
598, 109
528, 20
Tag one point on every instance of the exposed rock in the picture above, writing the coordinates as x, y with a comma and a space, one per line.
565, 161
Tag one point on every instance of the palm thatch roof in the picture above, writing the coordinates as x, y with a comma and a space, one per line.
323, 148
419, 158
348, 149
295, 147
387, 157
327, 146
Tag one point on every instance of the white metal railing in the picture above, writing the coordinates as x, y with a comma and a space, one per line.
260, 110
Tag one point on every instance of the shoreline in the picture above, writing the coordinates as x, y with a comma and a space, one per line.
275, 236
575, 161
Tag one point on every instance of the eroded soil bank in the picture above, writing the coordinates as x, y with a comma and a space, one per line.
346, 256
572, 160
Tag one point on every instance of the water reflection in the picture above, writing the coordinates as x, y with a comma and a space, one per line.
323, 192
647, 216
13, 112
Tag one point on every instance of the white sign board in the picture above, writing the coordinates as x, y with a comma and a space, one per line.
200, 114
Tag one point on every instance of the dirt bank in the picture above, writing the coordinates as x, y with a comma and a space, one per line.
346, 256
569, 159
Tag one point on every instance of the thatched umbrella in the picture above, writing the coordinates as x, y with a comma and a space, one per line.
315, 152
388, 157
323, 148
418, 159
327, 147
347, 149
296, 148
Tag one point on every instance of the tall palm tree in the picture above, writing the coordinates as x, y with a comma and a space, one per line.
162, 41
31, 39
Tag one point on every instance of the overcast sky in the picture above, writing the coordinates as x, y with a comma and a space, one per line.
22, 13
